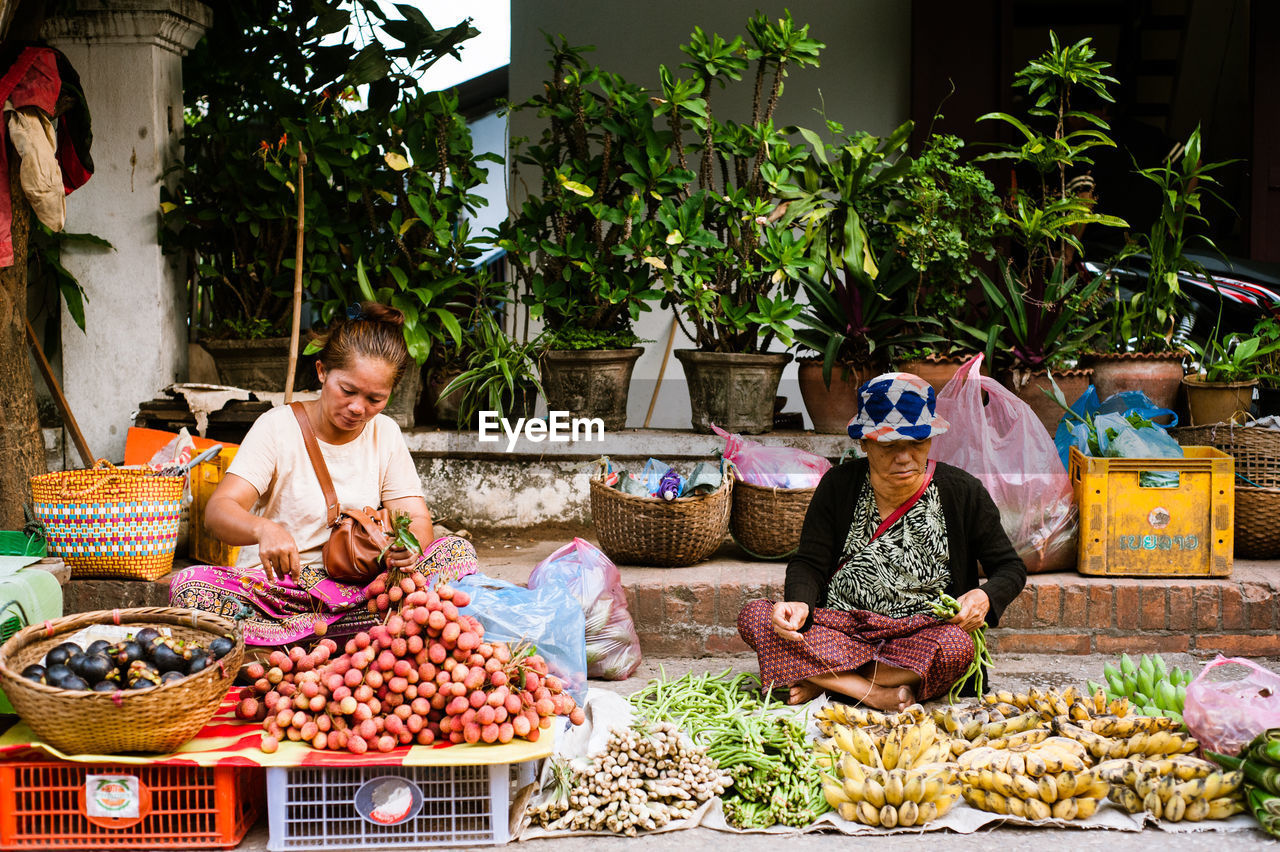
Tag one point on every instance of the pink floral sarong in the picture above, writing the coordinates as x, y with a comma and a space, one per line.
280, 612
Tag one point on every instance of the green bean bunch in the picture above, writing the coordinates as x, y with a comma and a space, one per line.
766, 753
945, 608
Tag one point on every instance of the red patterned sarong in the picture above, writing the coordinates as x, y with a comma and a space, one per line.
840, 641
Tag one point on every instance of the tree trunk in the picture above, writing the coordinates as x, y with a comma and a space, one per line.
21, 447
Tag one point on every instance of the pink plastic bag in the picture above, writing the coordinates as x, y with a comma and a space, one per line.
772, 467
1005, 446
1224, 715
613, 648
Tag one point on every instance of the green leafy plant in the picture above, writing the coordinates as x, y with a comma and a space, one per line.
1267, 330
1238, 358
1146, 322
1046, 215
45, 269
729, 268
577, 244
501, 372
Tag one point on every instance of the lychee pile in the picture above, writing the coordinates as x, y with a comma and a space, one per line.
425, 675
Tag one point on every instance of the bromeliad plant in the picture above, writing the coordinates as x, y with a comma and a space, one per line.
1046, 218
603, 169
730, 268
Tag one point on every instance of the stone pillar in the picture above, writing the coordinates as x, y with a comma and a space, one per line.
129, 57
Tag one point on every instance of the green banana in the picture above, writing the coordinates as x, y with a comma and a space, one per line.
1161, 670
1181, 697
1115, 682
1145, 684
1126, 665
1166, 696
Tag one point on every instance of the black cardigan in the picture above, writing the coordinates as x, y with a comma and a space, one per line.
974, 535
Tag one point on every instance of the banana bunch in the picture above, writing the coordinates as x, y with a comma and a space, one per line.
904, 747
865, 717
1050, 778
1176, 789
984, 724
1153, 687
892, 797
1157, 743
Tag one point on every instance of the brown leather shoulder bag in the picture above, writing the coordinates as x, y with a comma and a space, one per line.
355, 538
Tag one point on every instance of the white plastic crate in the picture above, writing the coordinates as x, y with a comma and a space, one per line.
316, 807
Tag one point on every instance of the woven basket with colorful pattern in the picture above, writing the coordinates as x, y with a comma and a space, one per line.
110, 522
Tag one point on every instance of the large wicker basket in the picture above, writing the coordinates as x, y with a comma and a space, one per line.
636, 530
766, 522
110, 522
1257, 454
156, 720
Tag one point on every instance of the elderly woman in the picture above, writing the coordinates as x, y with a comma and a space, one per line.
271, 505
884, 537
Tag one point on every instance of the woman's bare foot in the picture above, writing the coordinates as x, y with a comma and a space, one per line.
803, 692
890, 699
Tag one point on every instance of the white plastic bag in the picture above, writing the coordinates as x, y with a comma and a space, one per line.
613, 648
1005, 446
1225, 715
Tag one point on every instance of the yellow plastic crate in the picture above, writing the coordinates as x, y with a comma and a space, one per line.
205, 477
1129, 530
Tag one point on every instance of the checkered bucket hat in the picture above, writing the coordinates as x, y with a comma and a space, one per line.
896, 407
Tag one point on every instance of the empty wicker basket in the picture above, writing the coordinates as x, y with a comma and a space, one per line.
637, 530
766, 522
156, 720
1257, 454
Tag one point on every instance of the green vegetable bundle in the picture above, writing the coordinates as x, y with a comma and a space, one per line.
775, 774
1260, 762
1151, 686
946, 608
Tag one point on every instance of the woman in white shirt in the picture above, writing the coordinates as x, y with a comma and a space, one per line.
271, 505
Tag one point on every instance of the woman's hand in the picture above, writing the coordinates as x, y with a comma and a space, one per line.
788, 618
973, 610
401, 558
278, 551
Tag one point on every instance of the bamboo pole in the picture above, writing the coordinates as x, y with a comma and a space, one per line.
657, 386
296, 331
77, 437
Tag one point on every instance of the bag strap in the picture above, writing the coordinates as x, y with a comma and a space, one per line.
317, 461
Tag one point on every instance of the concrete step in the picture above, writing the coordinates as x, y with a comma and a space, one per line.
692, 612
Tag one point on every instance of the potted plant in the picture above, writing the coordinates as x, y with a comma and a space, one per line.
1140, 350
1268, 330
1041, 311
943, 215
730, 270
1221, 391
575, 245
501, 374
267, 78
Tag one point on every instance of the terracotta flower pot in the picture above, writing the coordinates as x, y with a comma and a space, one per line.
937, 370
1031, 388
1218, 402
831, 408
260, 364
590, 382
1158, 374
733, 390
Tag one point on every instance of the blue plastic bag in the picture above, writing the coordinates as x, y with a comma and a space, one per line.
1072, 431
549, 617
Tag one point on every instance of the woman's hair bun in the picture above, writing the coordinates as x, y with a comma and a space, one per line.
378, 312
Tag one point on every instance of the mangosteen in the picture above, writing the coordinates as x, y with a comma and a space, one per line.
59, 655
92, 667
55, 675
199, 662
106, 686
221, 646
75, 683
125, 653
142, 671
146, 636
167, 659
170, 677
35, 672
141, 683
98, 647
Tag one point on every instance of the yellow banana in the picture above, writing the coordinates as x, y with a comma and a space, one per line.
854, 790
1161, 742
1152, 803
1166, 785
1047, 789
1099, 702
843, 737
1059, 704
1019, 786
834, 794
1195, 788
927, 813
888, 816
1186, 767
908, 814
997, 804
1066, 783
1126, 798
891, 748
1035, 765
1085, 807
868, 814
1096, 788
826, 728
849, 811
1221, 808
1227, 784
873, 793
1200, 809
1015, 764
945, 803
1037, 809
1017, 807
893, 790
913, 789
864, 748
1174, 809
1025, 738
1064, 809
851, 769
1138, 743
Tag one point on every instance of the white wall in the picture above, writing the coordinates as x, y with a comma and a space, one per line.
863, 81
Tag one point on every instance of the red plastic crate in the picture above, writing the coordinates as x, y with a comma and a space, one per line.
43, 805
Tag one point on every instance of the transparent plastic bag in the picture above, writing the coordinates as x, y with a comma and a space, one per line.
1074, 432
613, 648
772, 467
549, 617
1004, 445
1224, 715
